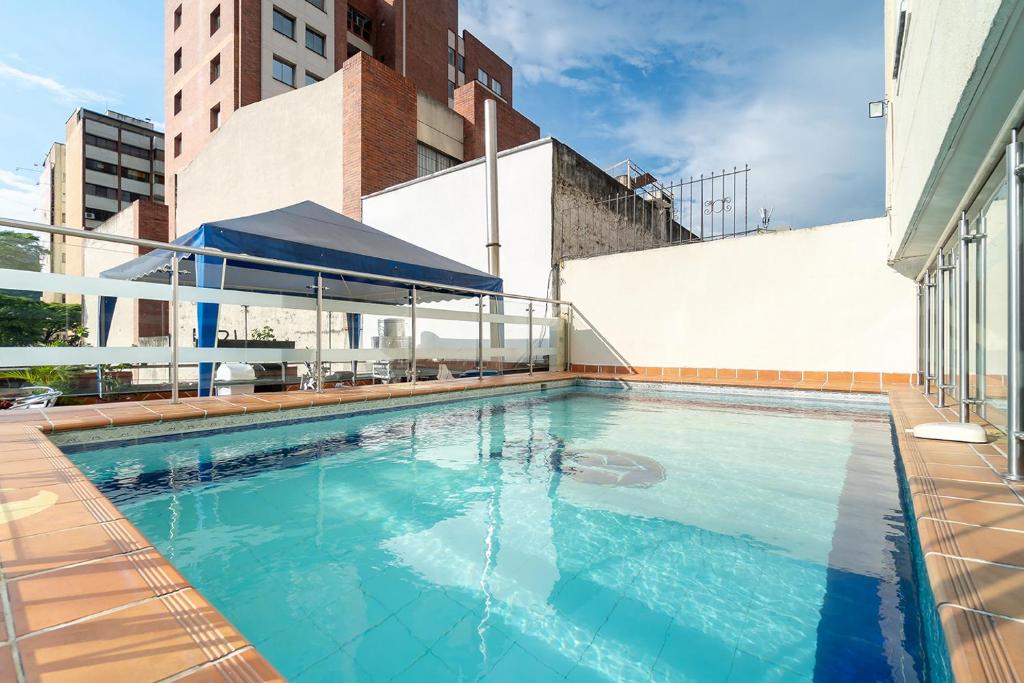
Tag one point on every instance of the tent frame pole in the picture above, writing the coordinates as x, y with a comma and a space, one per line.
174, 330
412, 340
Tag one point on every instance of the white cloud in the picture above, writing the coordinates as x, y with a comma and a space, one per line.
815, 156
77, 96
780, 85
19, 196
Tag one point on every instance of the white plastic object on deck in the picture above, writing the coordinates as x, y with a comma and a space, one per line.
951, 431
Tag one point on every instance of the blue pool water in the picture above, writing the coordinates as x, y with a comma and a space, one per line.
581, 534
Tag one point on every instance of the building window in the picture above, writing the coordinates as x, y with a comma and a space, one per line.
430, 160
284, 24
312, 78
98, 215
100, 191
481, 76
316, 42
177, 60
214, 20
177, 18
177, 102
132, 150
132, 174
177, 145
496, 87
359, 23
451, 90
215, 117
214, 68
319, 4
284, 72
460, 63
97, 141
451, 56
129, 197
101, 166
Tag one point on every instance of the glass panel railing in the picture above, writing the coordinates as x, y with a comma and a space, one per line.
103, 326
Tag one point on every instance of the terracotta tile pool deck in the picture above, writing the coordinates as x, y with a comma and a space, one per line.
86, 596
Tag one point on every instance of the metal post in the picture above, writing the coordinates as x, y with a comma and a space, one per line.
174, 329
567, 333
980, 365
529, 325
319, 323
940, 321
963, 310
702, 206
922, 326
412, 342
480, 337
491, 196
929, 285
1014, 154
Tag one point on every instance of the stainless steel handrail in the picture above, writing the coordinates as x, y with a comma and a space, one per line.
217, 253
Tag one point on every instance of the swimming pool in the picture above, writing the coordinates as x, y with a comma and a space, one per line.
584, 534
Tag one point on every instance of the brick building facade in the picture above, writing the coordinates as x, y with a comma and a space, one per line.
398, 60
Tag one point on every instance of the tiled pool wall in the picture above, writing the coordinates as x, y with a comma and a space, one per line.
939, 665
676, 388
79, 441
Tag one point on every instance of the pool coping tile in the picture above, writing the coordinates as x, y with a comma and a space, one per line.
970, 525
87, 594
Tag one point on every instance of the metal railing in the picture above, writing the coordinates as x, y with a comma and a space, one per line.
945, 287
648, 213
175, 295
1014, 208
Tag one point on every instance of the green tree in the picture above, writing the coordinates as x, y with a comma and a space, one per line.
28, 322
21, 251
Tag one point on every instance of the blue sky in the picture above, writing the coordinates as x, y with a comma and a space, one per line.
680, 86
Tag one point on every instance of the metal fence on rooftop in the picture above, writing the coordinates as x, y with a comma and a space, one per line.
648, 213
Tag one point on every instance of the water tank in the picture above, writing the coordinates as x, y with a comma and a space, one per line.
237, 374
391, 333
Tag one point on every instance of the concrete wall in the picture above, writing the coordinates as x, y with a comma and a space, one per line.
444, 212
438, 126
271, 154
957, 92
814, 299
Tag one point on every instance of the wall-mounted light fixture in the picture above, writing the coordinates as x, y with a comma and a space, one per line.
877, 109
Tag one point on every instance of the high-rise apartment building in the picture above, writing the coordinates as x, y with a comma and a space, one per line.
420, 114
106, 162
110, 161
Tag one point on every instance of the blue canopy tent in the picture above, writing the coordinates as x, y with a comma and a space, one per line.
305, 233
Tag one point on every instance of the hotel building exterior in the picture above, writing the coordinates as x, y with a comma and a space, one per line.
954, 99
406, 100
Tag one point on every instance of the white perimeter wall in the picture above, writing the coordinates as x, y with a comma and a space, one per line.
274, 153
445, 213
814, 299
